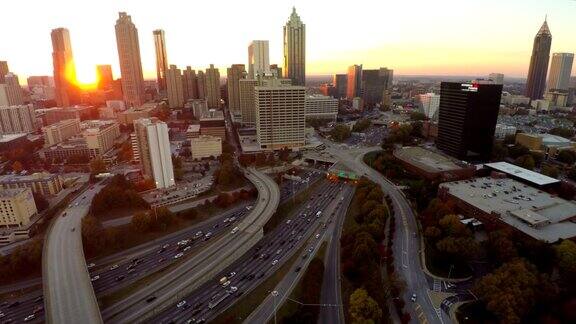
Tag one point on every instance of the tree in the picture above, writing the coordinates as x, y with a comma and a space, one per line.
97, 166
510, 139
526, 161
550, 171
17, 166
500, 247
499, 151
416, 116
141, 222
510, 291
566, 255
562, 131
340, 132
361, 125
364, 309
518, 150
566, 156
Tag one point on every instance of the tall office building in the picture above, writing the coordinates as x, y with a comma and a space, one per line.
40, 80
429, 104
247, 105
151, 146
560, 70
174, 87
189, 84
354, 82
60, 131
17, 119
3, 70
374, 83
234, 74
161, 58
295, 49
130, 62
275, 70
201, 83
340, 82
280, 115
105, 78
467, 119
64, 68
212, 79
536, 83
10, 91
497, 78
258, 58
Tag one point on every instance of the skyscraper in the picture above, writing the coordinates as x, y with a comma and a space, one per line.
275, 70
161, 58
130, 62
467, 119
247, 105
64, 68
340, 82
189, 84
17, 119
174, 87
151, 145
3, 70
258, 58
105, 78
280, 115
295, 49
10, 91
201, 83
429, 104
374, 83
536, 83
354, 82
234, 74
560, 70
212, 87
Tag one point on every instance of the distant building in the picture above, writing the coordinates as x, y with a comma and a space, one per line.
321, 107
536, 83
206, 146
467, 119
548, 144
101, 136
212, 87
174, 86
43, 183
105, 78
193, 131
354, 82
73, 147
199, 107
212, 123
145, 111
280, 122
17, 207
161, 59
504, 130
429, 104
189, 84
130, 62
56, 114
234, 74
374, 83
247, 104
201, 83
328, 89
514, 100
340, 82
276, 71
295, 50
540, 104
3, 71
557, 98
10, 91
12, 141
560, 70
152, 146
497, 78
258, 58
60, 131
17, 119
64, 68
432, 165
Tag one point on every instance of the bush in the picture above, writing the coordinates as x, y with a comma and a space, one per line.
120, 193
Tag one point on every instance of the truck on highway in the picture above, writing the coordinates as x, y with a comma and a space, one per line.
318, 214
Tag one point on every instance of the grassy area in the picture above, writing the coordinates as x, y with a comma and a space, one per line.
289, 308
285, 209
437, 266
474, 313
250, 301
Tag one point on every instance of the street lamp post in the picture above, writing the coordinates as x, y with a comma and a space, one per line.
274, 294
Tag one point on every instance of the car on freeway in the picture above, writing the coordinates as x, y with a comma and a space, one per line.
162, 259
91, 265
232, 290
231, 274
279, 251
248, 207
288, 222
207, 236
226, 283
120, 278
181, 304
96, 277
114, 267
29, 318
310, 250
234, 230
187, 248
131, 270
317, 236
150, 299
2, 315
413, 298
275, 262
179, 255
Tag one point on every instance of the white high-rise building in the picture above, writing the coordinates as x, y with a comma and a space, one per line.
258, 58
429, 103
321, 107
280, 115
10, 91
497, 78
152, 147
130, 62
174, 86
560, 69
17, 119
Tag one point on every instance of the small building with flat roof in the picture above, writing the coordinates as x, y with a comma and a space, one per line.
521, 174
507, 203
433, 165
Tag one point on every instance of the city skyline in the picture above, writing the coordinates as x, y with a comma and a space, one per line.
453, 50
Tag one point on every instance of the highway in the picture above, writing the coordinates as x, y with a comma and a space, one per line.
406, 238
331, 310
196, 270
69, 297
256, 265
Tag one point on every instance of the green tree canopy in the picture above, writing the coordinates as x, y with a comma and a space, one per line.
364, 309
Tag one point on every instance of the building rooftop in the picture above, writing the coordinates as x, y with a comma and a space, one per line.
194, 128
427, 160
534, 212
11, 193
554, 140
5, 138
521, 173
24, 178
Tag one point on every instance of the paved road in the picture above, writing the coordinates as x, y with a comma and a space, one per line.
406, 238
69, 294
196, 270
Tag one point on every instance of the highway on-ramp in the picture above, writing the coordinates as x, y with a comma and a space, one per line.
69, 297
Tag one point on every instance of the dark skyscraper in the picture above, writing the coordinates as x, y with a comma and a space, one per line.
467, 119
340, 82
354, 84
536, 83
374, 83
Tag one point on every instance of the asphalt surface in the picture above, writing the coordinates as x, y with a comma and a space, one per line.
256, 265
69, 297
193, 272
406, 237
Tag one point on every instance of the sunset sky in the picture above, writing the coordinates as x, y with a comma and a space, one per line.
442, 37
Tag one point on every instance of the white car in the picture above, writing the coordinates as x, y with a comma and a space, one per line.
317, 236
96, 277
275, 262
413, 298
179, 255
187, 248
91, 265
234, 230
114, 267
180, 304
29, 318
226, 283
